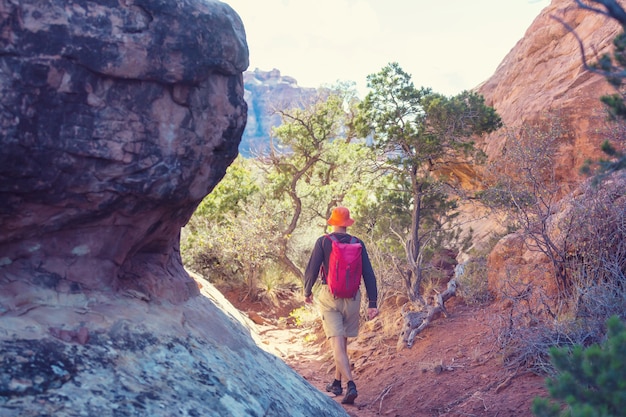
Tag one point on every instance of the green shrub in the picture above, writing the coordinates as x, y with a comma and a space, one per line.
591, 381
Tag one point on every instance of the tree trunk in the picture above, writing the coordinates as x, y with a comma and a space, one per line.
413, 247
291, 267
416, 321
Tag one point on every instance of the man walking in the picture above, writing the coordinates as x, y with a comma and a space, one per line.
340, 316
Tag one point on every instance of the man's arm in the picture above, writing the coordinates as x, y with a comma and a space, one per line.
313, 268
370, 280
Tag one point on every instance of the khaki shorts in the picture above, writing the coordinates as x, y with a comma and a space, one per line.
340, 316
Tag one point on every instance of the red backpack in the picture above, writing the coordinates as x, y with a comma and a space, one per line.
344, 267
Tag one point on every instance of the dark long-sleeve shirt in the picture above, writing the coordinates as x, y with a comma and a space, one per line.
320, 255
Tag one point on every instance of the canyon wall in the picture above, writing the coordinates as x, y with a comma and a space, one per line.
543, 74
266, 91
543, 77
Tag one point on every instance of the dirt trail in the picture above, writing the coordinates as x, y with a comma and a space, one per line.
452, 370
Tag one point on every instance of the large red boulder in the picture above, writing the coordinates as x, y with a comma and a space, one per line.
115, 121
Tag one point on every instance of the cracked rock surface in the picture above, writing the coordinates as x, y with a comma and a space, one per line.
140, 358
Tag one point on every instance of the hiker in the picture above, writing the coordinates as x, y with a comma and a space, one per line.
340, 316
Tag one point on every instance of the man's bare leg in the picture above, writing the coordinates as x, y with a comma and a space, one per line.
339, 345
342, 363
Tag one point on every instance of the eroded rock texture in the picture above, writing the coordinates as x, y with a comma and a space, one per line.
266, 91
543, 75
116, 118
102, 355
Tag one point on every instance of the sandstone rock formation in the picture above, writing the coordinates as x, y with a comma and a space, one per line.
139, 358
116, 122
116, 119
594, 237
543, 74
265, 91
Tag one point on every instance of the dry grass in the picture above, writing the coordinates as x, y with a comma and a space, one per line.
534, 321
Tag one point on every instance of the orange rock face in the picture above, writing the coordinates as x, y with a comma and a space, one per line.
544, 75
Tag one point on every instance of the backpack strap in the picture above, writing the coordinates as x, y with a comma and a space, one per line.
334, 238
331, 238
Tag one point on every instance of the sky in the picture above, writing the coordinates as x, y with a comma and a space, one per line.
449, 46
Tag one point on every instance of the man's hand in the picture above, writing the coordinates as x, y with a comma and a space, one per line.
308, 299
372, 312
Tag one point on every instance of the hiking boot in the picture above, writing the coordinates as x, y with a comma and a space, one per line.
335, 389
351, 394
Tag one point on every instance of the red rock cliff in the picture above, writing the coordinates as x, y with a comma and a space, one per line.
544, 72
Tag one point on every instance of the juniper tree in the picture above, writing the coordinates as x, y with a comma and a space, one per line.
420, 136
591, 382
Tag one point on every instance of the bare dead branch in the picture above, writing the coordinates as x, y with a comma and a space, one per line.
416, 321
614, 11
581, 46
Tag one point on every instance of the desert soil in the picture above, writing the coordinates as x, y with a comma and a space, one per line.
453, 369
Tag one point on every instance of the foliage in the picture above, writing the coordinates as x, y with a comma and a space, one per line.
591, 380
613, 65
531, 324
613, 147
273, 285
227, 238
382, 208
258, 224
208, 240
473, 283
234, 190
238, 247
313, 164
419, 133
523, 183
304, 316
596, 263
